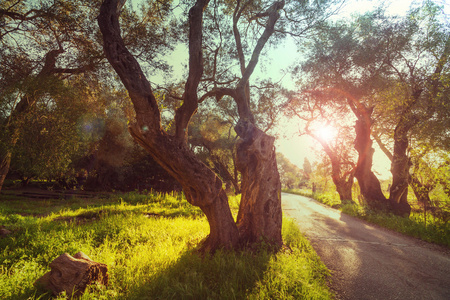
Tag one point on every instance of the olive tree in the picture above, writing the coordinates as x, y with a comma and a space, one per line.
239, 31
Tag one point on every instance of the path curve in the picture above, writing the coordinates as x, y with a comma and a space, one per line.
368, 262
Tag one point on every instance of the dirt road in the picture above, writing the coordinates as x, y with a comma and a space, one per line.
368, 262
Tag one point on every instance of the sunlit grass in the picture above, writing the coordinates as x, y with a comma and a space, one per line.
148, 242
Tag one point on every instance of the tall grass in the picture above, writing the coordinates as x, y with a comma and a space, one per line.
148, 243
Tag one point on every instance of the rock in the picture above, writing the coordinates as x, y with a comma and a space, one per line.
72, 274
4, 232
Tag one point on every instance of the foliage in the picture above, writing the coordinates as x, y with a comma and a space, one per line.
433, 230
49, 140
291, 176
212, 138
51, 73
148, 242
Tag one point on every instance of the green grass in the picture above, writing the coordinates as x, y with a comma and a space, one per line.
149, 245
433, 230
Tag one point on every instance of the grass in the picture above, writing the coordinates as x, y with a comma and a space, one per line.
148, 242
432, 230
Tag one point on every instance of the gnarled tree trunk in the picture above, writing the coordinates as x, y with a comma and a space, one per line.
260, 216
201, 186
369, 184
400, 172
260, 211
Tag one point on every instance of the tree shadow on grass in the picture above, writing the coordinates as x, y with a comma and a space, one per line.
225, 275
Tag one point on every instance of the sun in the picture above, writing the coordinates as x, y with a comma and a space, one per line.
326, 133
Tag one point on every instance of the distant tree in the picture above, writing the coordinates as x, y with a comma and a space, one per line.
319, 121
291, 175
49, 141
33, 37
307, 168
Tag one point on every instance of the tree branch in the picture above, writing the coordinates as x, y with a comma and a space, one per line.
237, 36
382, 146
190, 104
270, 28
218, 93
128, 68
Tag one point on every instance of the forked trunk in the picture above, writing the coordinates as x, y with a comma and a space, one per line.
200, 184
344, 189
260, 215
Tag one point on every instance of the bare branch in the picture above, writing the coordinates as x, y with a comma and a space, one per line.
189, 107
218, 93
269, 29
237, 36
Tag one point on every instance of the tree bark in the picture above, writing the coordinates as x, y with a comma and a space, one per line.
72, 274
343, 185
260, 216
400, 171
369, 184
5, 161
344, 189
201, 185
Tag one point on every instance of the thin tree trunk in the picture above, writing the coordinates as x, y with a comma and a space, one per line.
421, 191
223, 171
